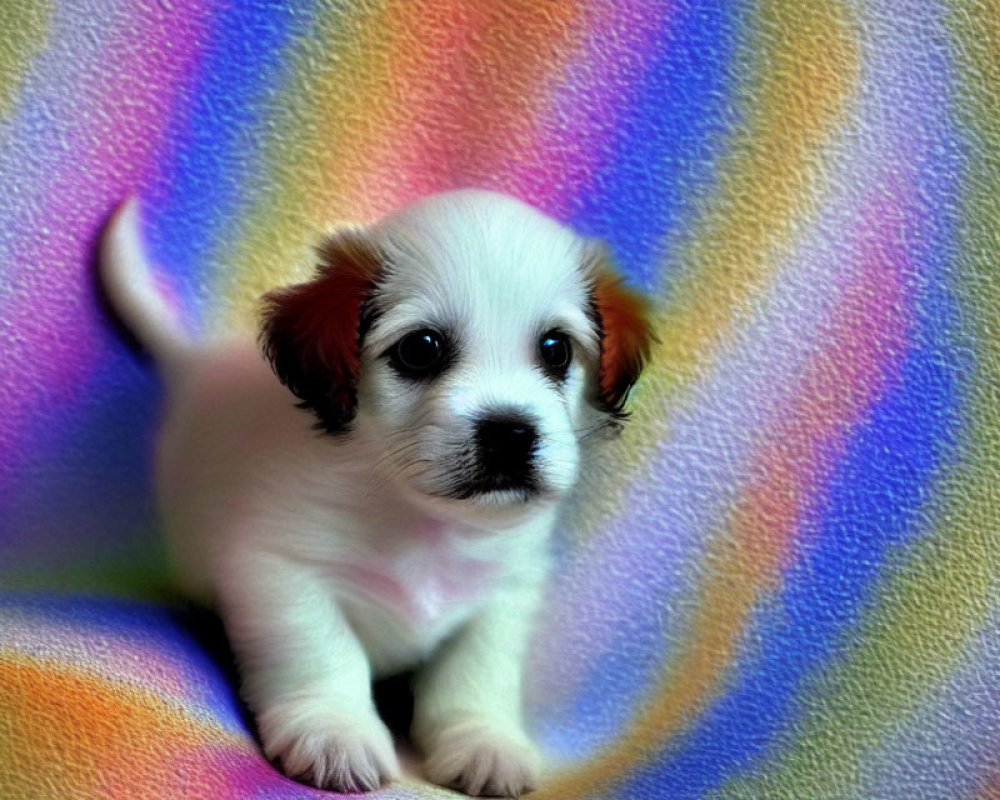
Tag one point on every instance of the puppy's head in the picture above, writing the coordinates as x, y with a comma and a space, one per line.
472, 340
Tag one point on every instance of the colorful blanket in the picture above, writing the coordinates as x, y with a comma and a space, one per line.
783, 583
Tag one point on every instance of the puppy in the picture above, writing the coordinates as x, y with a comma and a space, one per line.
370, 487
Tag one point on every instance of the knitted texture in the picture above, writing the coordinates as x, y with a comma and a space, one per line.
781, 582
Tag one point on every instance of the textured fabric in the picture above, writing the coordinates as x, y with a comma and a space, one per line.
782, 581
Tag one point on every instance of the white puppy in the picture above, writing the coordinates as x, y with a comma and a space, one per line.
385, 501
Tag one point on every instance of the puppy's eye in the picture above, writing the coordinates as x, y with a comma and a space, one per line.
555, 352
419, 354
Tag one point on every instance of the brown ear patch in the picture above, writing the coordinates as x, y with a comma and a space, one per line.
625, 331
312, 332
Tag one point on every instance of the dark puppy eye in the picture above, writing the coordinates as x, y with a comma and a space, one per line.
419, 354
555, 352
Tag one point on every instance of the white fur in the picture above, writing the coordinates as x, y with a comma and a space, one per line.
333, 559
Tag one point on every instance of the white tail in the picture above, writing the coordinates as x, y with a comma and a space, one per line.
128, 281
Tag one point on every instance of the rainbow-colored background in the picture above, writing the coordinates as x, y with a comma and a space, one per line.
786, 582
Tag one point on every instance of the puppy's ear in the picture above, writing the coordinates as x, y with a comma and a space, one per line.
622, 317
312, 332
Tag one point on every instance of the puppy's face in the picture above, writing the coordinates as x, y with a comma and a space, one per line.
472, 339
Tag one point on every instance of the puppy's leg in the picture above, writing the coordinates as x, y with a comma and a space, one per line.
467, 703
305, 675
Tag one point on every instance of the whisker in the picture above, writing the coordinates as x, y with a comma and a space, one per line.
607, 426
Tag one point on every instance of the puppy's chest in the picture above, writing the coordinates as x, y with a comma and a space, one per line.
422, 588
403, 599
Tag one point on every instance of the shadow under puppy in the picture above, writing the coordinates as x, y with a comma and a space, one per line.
386, 501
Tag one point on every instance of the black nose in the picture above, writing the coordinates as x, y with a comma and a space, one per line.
506, 446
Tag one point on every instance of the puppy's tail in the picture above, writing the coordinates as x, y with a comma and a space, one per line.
128, 281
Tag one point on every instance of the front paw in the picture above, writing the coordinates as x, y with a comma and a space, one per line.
330, 749
481, 759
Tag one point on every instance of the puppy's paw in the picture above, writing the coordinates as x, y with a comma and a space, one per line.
480, 759
346, 752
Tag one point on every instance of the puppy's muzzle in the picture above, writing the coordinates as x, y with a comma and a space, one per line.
505, 446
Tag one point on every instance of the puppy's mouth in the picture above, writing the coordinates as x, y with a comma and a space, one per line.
498, 488
506, 463
502, 465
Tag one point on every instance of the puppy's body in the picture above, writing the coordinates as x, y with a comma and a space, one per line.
455, 356
264, 482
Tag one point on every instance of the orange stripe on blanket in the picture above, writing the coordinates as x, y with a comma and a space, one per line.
67, 733
992, 790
